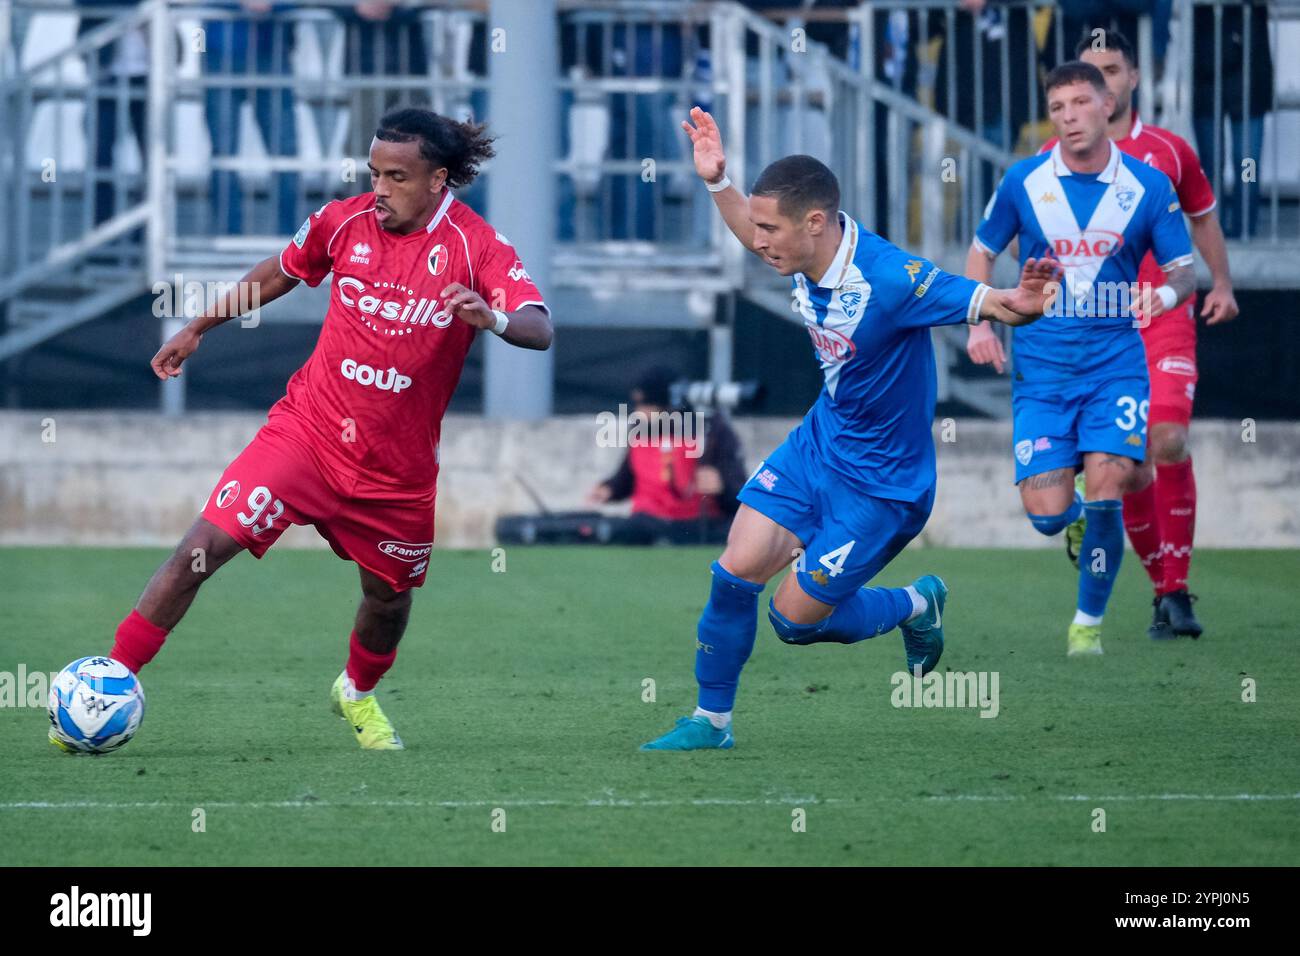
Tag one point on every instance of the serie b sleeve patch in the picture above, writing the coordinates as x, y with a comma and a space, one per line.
300, 236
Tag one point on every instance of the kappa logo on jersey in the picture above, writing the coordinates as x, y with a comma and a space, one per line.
1177, 365
1024, 451
227, 495
418, 569
1045, 197
405, 551
913, 268
361, 253
390, 380
517, 272
833, 347
1087, 246
412, 312
438, 257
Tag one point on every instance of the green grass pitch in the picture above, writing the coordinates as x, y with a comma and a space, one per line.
523, 691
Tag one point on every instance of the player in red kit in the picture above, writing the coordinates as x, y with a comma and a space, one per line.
1160, 517
352, 448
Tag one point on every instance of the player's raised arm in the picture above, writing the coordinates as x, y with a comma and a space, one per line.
267, 283
711, 165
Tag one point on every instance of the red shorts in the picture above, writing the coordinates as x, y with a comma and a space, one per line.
1171, 363
276, 482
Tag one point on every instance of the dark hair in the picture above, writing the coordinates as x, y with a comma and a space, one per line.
655, 385
1101, 39
800, 184
459, 147
1075, 71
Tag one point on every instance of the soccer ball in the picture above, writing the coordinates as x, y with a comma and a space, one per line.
96, 705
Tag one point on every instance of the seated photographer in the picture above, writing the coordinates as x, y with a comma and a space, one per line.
682, 479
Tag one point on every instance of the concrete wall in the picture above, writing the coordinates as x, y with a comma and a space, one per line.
138, 479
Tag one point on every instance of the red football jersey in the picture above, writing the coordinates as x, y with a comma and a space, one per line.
370, 399
1176, 159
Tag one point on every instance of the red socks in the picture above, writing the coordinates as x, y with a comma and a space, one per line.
366, 667
1144, 531
1176, 503
137, 641
1160, 521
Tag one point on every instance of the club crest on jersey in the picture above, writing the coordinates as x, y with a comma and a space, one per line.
832, 347
361, 254
1087, 246
1125, 197
1024, 451
849, 302
227, 495
438, 257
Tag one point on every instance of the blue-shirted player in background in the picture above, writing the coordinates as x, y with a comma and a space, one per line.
1079, 386
855, 481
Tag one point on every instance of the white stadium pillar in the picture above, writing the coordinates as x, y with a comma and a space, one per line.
523, 114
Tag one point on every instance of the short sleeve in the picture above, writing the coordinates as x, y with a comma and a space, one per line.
307, 256
1170, 243
501, 279
1001, 220
923, 295
1194, 189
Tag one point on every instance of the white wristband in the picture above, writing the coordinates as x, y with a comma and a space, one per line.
503, 320
720, 185
1168, 296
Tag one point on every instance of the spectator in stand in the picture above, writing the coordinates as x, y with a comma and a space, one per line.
1244, 100
260, 43
681, 493
381, 41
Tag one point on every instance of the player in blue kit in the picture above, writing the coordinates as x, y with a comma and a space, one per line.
1079, 391
855, 481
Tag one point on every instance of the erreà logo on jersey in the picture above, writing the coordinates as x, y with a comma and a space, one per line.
405, 551
409, 312
833, 347
1087, 246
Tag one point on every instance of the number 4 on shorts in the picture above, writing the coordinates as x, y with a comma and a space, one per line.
833, 561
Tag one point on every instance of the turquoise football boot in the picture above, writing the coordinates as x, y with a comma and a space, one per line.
923, 637
693, 733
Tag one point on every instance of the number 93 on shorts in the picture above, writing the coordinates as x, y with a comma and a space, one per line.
1054, 425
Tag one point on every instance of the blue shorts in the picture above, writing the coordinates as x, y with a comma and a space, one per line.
1055, 424
847, 534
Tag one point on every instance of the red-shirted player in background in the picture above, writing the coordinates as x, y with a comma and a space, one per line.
1160, 519
352, 448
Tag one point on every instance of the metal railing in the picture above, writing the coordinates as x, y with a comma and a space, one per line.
248, 128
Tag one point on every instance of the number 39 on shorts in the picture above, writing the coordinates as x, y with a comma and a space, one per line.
1130, 411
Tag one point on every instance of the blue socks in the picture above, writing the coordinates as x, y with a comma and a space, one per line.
1100, 555
725, 638
864, 614
1053, 524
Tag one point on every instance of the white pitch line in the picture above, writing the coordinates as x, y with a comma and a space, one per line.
627, 802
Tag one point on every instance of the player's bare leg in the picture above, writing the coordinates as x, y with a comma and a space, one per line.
171, 591
380, 623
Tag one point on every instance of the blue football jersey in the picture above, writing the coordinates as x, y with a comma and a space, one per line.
869, 318
1100, 226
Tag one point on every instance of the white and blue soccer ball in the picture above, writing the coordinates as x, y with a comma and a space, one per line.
96, 705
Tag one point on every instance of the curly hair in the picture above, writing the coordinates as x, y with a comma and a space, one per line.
459, 147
